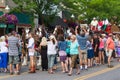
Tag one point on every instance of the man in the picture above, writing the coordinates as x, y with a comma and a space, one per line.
13, 53
82, 41
94, 24
96, 43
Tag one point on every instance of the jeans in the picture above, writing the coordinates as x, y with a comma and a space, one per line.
51, 59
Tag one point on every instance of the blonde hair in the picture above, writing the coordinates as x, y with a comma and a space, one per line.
73, 36
44, 41
2, 38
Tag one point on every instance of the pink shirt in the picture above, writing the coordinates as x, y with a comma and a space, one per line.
100, 23
101, 43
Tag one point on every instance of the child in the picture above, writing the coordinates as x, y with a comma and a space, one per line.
90, 52
68, 51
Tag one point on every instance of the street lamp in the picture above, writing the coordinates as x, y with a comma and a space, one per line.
72, 16
7, 9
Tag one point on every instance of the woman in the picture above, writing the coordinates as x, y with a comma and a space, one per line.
101, 50
31, 52
51, 52
62, 45
110, 46
3, 54
43, 51
74, 52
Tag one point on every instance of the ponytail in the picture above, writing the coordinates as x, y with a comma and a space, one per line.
53, 40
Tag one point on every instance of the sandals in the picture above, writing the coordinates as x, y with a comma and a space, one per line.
69, 74
51, 72
78, 73
11, 73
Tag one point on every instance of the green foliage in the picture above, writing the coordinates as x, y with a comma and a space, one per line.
83, 9
102, 8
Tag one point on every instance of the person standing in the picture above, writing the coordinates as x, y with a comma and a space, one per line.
82, 41
90, 52
62, 45
3, 54
101, 50
96, 43
13, 53
118, 49
51, 53
68, 52
31, 51
74, 53
110, 46
43, 52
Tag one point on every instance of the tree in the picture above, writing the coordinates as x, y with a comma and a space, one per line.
82, 9
37, 7
101, 8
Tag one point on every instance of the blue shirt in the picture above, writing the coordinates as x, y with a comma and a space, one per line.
74, 48
82, 41
62, 45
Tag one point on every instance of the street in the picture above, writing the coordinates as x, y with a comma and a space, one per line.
96, 73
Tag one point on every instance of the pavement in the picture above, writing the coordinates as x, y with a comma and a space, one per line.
95, 73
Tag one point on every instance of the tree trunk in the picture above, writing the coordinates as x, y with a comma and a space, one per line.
40, 20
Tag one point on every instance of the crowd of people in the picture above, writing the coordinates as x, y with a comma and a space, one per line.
76, 48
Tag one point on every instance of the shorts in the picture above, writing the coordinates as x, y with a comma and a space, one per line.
101, 49
90, 53
74, 59
20, 57
83, 54
14, 60
109, 53
36, 54
63, 58
31, 53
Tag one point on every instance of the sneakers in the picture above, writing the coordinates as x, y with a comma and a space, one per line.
81, 68
84, 68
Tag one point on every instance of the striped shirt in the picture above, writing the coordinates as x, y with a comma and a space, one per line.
13, 45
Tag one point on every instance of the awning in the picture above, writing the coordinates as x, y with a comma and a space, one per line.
1, 13
11, 26
2, 25
23, 18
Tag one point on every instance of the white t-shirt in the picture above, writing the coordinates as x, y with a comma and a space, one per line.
94, 23
3, 47
31, 43
31, 46
51, 48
